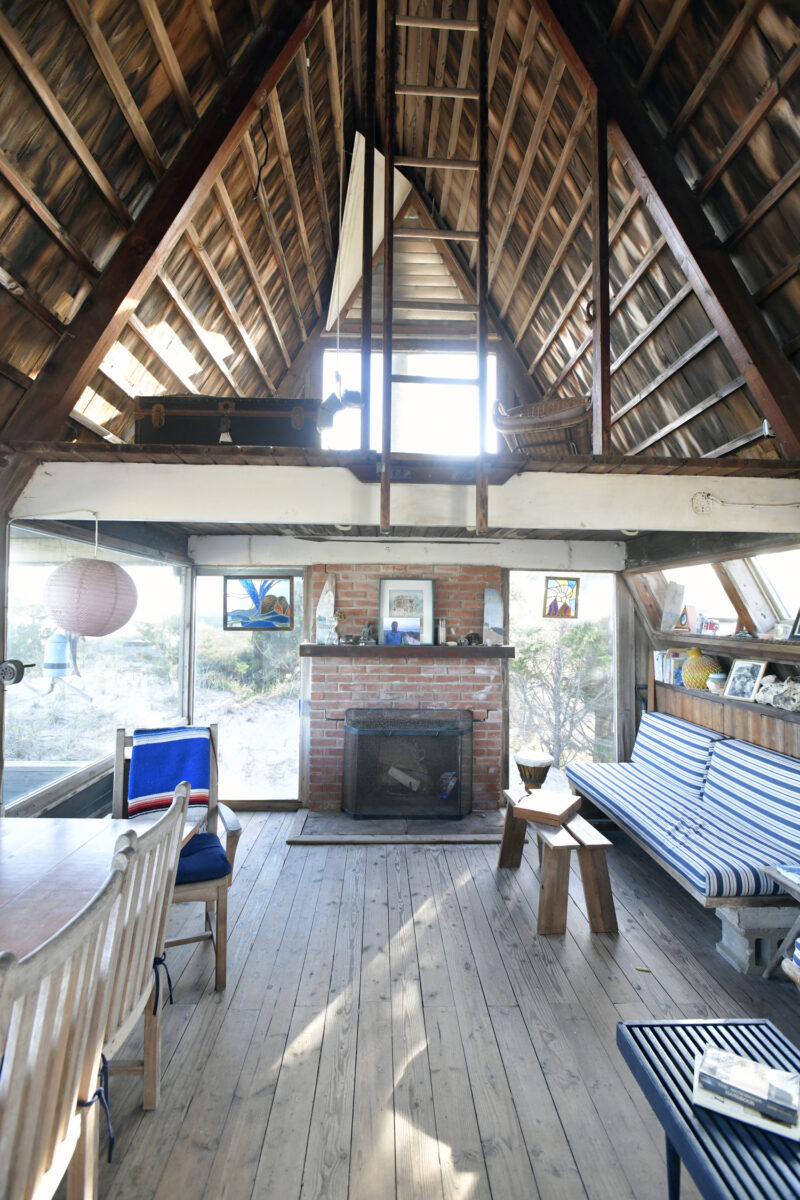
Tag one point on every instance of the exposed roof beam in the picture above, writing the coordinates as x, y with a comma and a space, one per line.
601, 343
248, 153
116, 83
214, 34
332, 64
555, 262
46, 98
304, 79
510, 114
355, 50
688, 416
763, 207
665, 37
169, 60
11, 173
204, 336
722, 56
285, 156
229, 213
677, 212
143, 333
673, 368
204, 258
619, 19
143, 252
467, 49
28, 299
438, 80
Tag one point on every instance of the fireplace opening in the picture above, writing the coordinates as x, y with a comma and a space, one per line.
407, 762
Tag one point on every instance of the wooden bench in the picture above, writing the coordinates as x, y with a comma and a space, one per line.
560, 830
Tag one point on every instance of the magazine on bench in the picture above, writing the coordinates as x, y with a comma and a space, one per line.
749, 1091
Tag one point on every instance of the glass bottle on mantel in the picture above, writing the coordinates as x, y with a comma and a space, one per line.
697, 668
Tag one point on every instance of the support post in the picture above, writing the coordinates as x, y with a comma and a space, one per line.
481, 481
601, 350
367, 233
388, 267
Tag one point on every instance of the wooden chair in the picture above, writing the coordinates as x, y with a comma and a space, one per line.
213, 893
152, 860
53, 1006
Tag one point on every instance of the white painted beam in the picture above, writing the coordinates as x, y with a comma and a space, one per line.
234, 550
332, 495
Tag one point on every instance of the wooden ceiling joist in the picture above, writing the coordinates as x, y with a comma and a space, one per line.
560, 253
334, 89
28, 298
248, 153
167, 360
45, 96
225, 300
665, 38
460, 93
672, 369
237, 233
285, 157
144, 250
304, 79
12, 175
210, 24
169, 60
676, 210
116, 83
204, 336
764, 206
695, 411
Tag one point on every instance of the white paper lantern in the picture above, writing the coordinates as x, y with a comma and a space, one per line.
90, 596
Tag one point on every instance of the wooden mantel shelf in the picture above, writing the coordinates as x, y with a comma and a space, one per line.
313, 650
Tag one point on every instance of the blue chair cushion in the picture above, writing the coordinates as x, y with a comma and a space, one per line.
201, 859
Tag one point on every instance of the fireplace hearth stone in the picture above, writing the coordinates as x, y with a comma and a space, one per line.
407, 762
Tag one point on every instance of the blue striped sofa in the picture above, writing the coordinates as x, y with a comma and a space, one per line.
713, 811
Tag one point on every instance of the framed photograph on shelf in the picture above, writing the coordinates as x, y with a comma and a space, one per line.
744, 679
262, 602
405, 612
560, 596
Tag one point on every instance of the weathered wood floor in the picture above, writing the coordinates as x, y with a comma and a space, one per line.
393, 1027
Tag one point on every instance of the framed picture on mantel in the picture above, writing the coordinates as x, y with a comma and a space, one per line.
405, 612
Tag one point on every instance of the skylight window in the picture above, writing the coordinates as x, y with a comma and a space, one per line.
427, 418
781, 573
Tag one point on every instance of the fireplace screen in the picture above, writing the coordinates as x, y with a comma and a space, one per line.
407, 762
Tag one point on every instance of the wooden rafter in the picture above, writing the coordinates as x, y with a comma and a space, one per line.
765, 205
169, 60
545, 208
494, 59
210, 24
203, 257
438, 80
467, 51
768, 97
676, 365
204, 336
783, 276
532, 149
248, 153
601, 342
143, 333
116, 83
355, 51
285, 157
560, 254
517, 87
722, 56
332, 64
568, 308
143, 252
12, 175
30, 300
42, 91
301, 65
237, 233
689, 415
619, 19
664, 40
679, 216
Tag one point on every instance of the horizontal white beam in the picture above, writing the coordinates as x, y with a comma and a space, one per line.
332, 495
236, 550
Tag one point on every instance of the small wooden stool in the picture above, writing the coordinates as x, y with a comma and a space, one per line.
532, 768
559, 831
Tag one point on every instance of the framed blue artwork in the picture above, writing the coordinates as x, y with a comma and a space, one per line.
261, 602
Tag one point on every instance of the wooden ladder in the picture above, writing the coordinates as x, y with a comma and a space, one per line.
478, 95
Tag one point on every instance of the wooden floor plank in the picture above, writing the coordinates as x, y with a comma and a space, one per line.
394, 1029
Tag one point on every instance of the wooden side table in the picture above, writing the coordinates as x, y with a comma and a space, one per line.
789, 879
559, 831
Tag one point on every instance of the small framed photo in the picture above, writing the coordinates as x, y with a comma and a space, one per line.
794, 632
560, 596
744, 679
405, 612
261, 602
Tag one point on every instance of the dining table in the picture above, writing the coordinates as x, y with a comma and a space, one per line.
50, 867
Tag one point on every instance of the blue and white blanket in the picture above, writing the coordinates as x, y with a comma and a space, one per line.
163, 758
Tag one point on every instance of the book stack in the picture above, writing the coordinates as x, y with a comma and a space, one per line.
749, 1091
667, 665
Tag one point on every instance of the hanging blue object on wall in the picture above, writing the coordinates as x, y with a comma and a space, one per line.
56, 662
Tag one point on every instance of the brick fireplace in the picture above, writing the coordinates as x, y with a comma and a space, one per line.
409, 677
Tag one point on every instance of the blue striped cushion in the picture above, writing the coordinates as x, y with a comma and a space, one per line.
796, 955
712, 858
676, 750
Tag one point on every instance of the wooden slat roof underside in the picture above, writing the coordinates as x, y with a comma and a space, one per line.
99, 102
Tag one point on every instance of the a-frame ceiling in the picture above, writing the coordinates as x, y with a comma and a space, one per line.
169, 199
